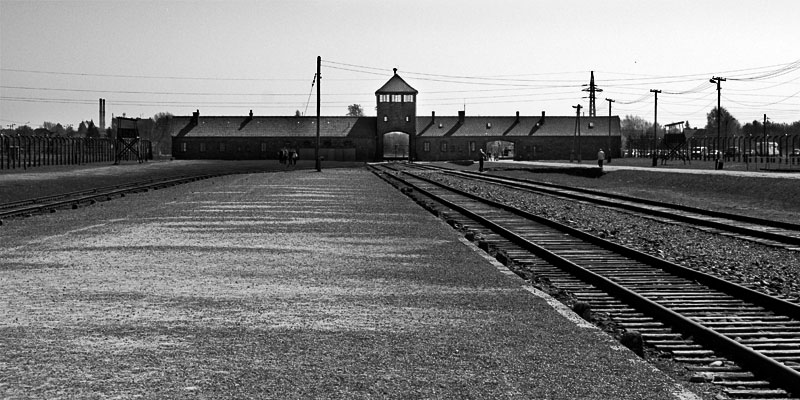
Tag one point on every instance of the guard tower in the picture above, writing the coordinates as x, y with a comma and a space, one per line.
397, 120
127, 140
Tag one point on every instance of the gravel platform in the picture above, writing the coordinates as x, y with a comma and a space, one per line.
285, 285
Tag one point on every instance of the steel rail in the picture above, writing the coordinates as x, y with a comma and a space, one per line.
46, 202
667, 212
761, 364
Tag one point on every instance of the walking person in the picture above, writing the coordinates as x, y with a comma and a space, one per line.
601, 156
481, 158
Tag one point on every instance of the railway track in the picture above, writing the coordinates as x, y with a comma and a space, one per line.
90, 196
744, 342
773, 233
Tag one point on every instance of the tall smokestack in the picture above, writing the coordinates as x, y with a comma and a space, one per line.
102, 122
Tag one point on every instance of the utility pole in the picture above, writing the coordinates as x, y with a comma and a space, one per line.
717, 80
609, 130
577, 131
317, 161
655, 128
592, 89
764, 148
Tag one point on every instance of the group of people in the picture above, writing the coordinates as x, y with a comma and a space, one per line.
288, 156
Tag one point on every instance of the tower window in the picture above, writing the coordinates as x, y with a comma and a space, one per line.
408, 98
383, 98
396, 98
385, 119
406, 118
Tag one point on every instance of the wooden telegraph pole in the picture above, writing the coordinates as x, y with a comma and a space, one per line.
317, 161
655, 129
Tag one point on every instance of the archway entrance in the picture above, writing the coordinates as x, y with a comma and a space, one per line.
395, 146
500, 149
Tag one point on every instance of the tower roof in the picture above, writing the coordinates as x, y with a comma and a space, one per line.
396, 85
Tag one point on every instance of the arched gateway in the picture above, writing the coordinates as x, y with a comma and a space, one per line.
395, 146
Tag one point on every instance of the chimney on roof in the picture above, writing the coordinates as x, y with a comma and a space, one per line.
461, 115
433, 116
542, 118
517, 117
395, 71
251, 113
196, 117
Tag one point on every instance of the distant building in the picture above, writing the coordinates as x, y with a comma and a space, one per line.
397, 132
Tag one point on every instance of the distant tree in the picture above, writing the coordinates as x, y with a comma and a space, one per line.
70, 131
82, 129
160, 136
297, 113
24, 130
91, 130
634, 126
687, 125
355, 110
50, 126
730, 125
58, 130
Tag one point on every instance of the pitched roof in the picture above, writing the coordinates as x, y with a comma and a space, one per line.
245, 126
396, 84
365, 127
512, 126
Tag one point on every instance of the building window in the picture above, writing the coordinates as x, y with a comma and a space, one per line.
383, 98
408, 98
222, 147
385, 119
184, 147
202, 147
426, 146
263, 147
471, 147
488, 125
396, 98
443, 147
406, 118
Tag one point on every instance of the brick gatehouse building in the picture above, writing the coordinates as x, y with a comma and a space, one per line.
397, 132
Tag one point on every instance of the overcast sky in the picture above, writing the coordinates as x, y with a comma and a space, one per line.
57, 58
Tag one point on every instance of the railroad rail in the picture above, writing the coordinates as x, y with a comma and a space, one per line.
743, 340
74, 199
774, 233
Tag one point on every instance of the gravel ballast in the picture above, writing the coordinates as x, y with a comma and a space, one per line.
769, 269
290, 285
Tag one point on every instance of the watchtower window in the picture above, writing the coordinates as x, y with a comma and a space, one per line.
443, 147
383, 98
408, 98
396, 98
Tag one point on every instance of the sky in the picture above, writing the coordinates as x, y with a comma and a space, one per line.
490, 58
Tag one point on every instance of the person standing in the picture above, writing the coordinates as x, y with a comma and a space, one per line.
481, 159
601, 156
